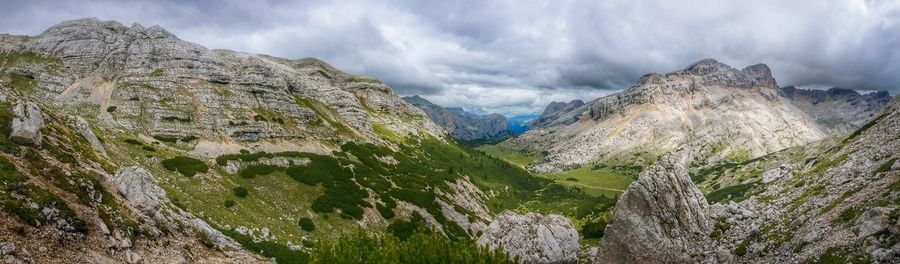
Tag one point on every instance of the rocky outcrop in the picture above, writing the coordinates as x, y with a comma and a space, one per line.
559, 113
139, 188
837, 110
26, 124
707, 112
533, 238
460, 124
85, 130
661, 218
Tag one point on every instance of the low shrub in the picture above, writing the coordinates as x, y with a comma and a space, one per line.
306, 224
594, 229
187, 166
111, 109
229, 203
241, 191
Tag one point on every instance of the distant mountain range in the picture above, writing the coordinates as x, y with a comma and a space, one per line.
837, 110
463, 125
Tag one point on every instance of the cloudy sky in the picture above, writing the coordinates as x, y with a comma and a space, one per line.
515, 57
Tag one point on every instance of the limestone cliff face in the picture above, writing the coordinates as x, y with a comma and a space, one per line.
460, 124
837, 110
148, 81
708, 111
661, 218
559, 113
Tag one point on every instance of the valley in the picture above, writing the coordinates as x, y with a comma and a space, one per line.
127, 144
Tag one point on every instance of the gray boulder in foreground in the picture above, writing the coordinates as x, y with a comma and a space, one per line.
533, 238
26, 124
661, 218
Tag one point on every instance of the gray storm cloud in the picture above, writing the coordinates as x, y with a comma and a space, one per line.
516, 57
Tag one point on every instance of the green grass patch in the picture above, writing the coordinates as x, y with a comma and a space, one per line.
735, 193
886, 166
839, 200
609, 181
517, 157
848, 216
839, 255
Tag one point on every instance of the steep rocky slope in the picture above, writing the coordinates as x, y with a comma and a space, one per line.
460, 124
63, 201
266, 153
709, 111
837, 110
834, 201
559, 113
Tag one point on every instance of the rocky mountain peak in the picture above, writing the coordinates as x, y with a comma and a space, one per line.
713, 72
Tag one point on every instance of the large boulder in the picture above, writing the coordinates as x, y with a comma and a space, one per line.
533, 238
137, 185
26, 124
661, 218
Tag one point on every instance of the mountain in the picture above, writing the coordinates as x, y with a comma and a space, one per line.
128, 144
460, 124
708, 110
558, 112
834, 201
518, 124
837, 110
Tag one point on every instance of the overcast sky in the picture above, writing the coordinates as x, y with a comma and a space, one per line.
515, 57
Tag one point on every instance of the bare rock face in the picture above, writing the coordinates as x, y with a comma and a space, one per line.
739, 111
533, 238
26, 124
140, 189
661, 218
85, 130
558, 112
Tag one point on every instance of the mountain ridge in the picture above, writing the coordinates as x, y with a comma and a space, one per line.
460, 124
682, 108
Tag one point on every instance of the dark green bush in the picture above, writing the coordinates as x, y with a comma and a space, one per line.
148, 148
111, 109
229, 203
241, 191
594, 229
187, 166
133, 141
306, 224
403, 229
169, 139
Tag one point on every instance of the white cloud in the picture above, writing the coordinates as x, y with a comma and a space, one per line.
515, 57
